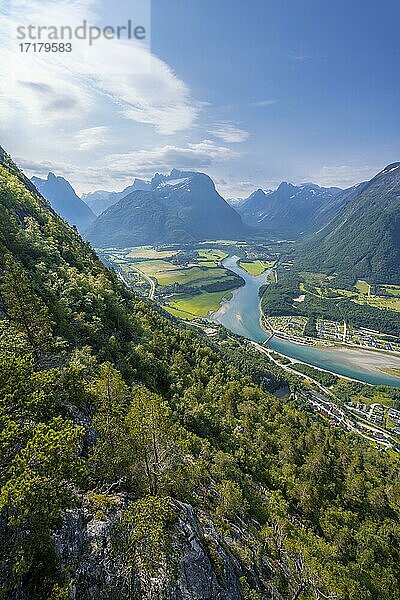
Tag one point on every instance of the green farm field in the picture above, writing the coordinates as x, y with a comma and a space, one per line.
146, 252
197, 306
212, 256
192, 275
255, 267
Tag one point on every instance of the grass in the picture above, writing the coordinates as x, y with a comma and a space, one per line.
393, 290
153, 267
272, 277
207, 263
377, 398
199, 305
315, 279
181, 314
363, 287
381, 302
214, 256
254, 267
345, 293
147, 252
361, 296
192, 276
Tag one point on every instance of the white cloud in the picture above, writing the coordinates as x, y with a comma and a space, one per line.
262, 103
343, 176
235, 188
193, 156
92, 137
228, 132
68, 87
116, 170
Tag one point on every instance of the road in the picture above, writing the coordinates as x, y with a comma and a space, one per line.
332, 408
148, 279
293, 371
145, 277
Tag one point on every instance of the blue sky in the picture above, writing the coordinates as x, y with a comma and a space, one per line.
252, 93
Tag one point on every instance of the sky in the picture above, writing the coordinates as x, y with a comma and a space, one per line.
252, 93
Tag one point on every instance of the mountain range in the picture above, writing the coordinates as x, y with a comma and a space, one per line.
63, 199
363, 239
140, 460
354, 232
100, 200
180, 207
289, 211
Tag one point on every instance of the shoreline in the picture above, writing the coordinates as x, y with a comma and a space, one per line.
334, 346
358, 361
363, 355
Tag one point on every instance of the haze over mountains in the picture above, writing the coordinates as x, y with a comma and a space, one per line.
180, 207
100, 200
290, 210
354, 231
363, 239
63, 199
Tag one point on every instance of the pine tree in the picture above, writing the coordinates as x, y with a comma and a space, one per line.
24, 309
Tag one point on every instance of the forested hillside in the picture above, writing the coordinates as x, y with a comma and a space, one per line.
363, 240
136, 461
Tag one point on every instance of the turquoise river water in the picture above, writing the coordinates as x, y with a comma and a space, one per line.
241, 315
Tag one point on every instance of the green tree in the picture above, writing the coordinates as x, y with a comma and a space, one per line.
40, 484
231, 502
111, 455
24, 308
151, 434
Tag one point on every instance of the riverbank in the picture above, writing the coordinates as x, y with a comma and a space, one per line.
366, 358
241, 315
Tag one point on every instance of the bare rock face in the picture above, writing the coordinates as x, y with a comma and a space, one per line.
206, 569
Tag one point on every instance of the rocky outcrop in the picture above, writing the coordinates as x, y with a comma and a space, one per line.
205, 567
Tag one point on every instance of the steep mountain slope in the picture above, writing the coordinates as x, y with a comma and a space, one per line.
289, 210
333, 206
140, 461
99, 201
363, 240
181, 207
236, 202
62, 197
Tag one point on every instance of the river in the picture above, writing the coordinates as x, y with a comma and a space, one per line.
241, 315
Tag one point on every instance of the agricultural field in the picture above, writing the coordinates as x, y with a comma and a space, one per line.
391, 290
193, 276
152, 267
147, 252
255, 267
320, 285
363, 287
315, 279
211, 257
381, 302
190, 281
190, 307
